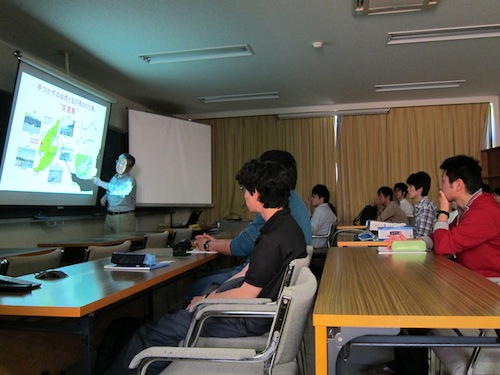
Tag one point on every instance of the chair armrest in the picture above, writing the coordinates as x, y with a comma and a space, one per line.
226, 310
235, 301
166, 353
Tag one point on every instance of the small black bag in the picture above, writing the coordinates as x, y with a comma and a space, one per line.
180, 248
367, 213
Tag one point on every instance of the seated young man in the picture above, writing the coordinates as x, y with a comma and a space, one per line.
388, 210
243, 244
266, 189
425, 209
474, 236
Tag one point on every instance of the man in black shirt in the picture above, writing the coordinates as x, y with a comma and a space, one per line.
266, 189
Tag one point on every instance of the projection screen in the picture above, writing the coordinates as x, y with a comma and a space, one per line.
173, 160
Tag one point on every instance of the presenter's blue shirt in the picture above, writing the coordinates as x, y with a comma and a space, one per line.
121, 193
243, 245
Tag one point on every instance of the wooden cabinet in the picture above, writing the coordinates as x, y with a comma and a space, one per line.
490, 162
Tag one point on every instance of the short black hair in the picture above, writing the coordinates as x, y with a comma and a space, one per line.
496, 191
466, 168
385, 191
130, 159
269, 178
322, 192
420, 180
287, 160
401, 186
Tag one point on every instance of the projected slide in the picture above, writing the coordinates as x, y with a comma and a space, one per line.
54, 140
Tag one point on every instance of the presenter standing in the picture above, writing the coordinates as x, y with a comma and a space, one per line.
120, 197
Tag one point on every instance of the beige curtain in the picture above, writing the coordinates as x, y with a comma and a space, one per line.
380, 150
236, 140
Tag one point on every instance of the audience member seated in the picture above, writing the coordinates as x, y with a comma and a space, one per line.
478, 213
266, 188
425, 210
324, 214
242, 245
388, 210
400, 192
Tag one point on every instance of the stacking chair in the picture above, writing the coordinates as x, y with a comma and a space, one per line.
290, 318
156, 239
328, 236
98, 252
25, 264
468, 361
182, 234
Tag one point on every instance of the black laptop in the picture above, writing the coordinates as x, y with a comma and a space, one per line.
193, 219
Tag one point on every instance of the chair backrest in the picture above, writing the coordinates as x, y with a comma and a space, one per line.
329, 236
26, 264
300, 298
183, 234
293, 270
156, 239
98, 252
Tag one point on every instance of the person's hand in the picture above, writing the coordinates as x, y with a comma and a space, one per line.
443, 202
201, 239
194, 300
104, 201
394, 237
96, 180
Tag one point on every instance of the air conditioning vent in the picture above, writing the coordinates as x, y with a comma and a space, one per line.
373, 7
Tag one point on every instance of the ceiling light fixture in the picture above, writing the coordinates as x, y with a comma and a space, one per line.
198, 54
437, 35
374, 7
344, 112
419, 85
239, 97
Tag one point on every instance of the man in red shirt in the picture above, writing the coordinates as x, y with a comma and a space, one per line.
474, 236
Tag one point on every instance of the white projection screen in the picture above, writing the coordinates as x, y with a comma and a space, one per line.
173, 160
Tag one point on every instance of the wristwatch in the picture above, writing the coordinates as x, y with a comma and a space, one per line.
205, 245
439, 212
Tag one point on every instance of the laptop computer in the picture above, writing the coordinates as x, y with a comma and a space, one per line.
193, 219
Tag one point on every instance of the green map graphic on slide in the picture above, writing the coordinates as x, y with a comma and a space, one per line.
46, 148
83, 166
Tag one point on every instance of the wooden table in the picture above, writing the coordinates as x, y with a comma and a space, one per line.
365, 293
87, 289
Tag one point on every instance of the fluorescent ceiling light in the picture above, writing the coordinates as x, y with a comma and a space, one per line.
373, 7
345, 112
239, 97
436, 35
292, 116
198, 54
419, 86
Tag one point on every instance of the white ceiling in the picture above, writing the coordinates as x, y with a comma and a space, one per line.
107, 36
